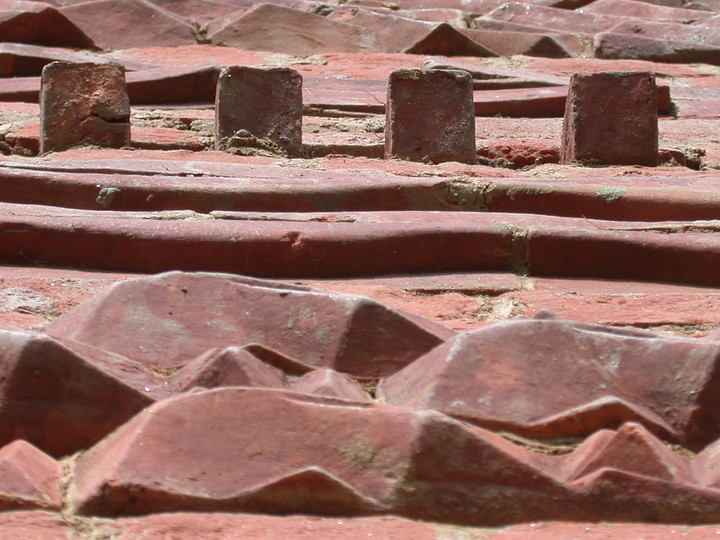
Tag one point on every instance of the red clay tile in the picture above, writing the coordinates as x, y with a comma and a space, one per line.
352, 221
20, 89
352, 459
633, 449
627, 255
270, 27
530, 102
554, 18
60, 401
646, 10
219, 526
231, 366
40, 24
507, 43
29, 478
608, 379
24, 525
698, 34
186, 314
400, 34
190, 84
615, 45
200, 11
121, 24
633, 497
327, 382
22, 60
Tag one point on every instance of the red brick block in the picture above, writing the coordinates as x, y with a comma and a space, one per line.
611, 118
83, 104
267, 103
430, 116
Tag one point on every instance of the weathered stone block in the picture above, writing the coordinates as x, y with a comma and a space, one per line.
430, 116
83, 104
611, 118
265, 103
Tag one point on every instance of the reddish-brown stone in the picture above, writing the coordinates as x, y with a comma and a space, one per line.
550, 18
632, 449
194, 84
83, 104
259, 103
20, 89
430, 116
323, 456
270, 27
706, 465
221, 526
636, 497
522, 102
22, 60
401, 34
29, 478
277, 248
122, 24
232, 366
506, 43
619, 45
200, 11
609, 377
646, 10
629, 255
328, 382
611, 118
40, 24
572, 42
57, 400
176, 317
443, 39
25, 525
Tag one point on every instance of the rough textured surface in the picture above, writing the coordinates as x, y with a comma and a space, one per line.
83, 104
59, 400
261, 104
611, 118
177, 316
596, 419
28, 478
40, 24
608, 378
430, 116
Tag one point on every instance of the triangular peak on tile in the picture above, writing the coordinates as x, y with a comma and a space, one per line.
168, 320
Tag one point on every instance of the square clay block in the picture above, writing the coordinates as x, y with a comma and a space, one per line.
265, 103
430, 116
83, 104
611, 118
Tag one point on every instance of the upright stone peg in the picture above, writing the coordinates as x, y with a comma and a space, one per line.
261, 103
83, 104
430, 116
611, 118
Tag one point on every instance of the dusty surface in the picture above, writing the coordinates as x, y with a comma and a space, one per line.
561, 321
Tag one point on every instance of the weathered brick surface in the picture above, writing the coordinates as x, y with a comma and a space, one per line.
611, 118
430, 116
265, 103
29, 478
83, 104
